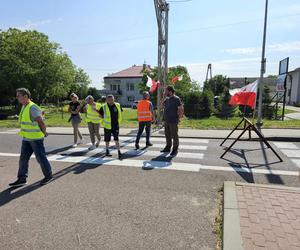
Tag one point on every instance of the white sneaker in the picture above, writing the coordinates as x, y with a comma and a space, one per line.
92, 147
74, 145
97, 144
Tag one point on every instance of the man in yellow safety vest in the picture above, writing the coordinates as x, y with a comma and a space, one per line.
33, 131
111, 112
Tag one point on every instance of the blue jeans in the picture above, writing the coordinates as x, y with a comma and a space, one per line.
28, 147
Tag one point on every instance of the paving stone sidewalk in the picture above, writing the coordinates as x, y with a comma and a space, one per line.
269, 216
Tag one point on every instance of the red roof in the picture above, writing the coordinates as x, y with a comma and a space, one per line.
132, 72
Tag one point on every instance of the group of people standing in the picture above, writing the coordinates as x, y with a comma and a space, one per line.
109, 115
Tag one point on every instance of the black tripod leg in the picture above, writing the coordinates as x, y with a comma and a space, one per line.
232, 132
235, 141
266, 142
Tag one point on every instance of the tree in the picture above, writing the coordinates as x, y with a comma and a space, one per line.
198, 104
81, 84
181, 87
94, 92
224, 110
28, 59
218, 85
268, 111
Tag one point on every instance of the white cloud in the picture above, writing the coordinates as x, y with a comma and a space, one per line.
30, 25
245, 67
287, 47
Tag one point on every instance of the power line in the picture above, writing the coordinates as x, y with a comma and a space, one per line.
185, 31
180, 1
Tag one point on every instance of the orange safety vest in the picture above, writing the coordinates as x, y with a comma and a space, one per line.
143, 111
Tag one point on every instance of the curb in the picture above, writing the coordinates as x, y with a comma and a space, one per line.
276, 187
272, 138
232, 239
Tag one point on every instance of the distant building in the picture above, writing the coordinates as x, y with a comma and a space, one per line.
238, 82
293, 87
124, 85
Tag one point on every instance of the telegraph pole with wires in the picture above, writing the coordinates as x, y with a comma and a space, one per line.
162, 13
262, 69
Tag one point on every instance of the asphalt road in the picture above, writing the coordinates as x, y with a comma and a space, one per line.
146, 201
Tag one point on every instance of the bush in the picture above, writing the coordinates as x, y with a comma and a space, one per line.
268, 111
223, 109
198, 104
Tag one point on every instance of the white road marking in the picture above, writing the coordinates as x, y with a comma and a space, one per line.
159, 165
297, 162
163, 139
132, 152
285, 145
123, 138
9, 132
292, 153
157, 145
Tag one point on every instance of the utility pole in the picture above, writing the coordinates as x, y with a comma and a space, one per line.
262, 69
162, 13
209, 73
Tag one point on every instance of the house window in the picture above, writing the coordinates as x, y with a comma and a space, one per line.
115, 87
130, 86
130, 98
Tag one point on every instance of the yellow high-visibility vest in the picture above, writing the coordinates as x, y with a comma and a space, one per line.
91, 115
107, 117
29, 129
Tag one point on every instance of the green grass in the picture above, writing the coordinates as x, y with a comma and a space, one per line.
218, 225
54, 119
218, 123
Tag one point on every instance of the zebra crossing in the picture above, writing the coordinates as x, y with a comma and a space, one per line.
190, 151
190, 157
291, 150
194, 155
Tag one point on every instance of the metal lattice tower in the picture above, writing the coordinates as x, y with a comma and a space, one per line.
209, 77
162, 11
208, 73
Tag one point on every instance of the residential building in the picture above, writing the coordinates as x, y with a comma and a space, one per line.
293, 87
124, 85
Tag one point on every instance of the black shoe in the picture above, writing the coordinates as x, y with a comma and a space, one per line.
107, 153
148, 144
165, 150
120, 155
18, 183
46, 180
174, 152
137, 146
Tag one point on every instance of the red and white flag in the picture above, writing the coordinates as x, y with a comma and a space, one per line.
245, 95
177, 78
152, 84
149, 82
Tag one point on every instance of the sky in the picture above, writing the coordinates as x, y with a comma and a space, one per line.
104, 37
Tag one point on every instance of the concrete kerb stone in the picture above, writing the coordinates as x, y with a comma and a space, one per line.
277, 187
232, 239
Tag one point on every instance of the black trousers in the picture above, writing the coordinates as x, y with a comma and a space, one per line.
142, 126
171, 133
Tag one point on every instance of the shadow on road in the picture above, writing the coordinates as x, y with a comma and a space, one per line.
12, 193
247, 166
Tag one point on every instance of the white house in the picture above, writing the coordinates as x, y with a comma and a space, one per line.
293, 87
124, 85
